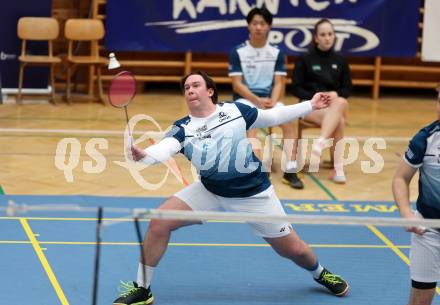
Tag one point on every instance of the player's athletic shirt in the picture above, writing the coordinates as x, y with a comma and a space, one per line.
257, 66
218, 147
424, 153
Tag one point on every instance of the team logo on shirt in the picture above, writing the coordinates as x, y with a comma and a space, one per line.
200, 131
222, 116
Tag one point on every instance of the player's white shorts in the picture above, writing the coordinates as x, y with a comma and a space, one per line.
425, 257
249, 103
200, 199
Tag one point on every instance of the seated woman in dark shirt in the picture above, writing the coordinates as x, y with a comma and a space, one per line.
322, 69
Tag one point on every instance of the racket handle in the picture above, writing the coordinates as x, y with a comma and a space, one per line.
128, 125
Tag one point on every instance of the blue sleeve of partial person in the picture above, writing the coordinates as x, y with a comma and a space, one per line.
416, 150
249, 113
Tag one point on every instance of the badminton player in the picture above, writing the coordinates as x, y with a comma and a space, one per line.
423, 154
213, 138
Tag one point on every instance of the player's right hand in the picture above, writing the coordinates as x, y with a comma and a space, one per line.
137, 153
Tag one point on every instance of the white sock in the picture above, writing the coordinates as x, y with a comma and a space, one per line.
148, 275
316, 272
291, 166
318, 146
339, 169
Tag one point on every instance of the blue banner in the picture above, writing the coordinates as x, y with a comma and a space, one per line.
10, 45
363, 27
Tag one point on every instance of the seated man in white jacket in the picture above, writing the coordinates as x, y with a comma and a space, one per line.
213, 138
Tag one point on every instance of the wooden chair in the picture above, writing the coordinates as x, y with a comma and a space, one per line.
90, 31
37, 29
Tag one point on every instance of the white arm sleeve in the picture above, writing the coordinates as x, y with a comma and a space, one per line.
161, 151
280, 115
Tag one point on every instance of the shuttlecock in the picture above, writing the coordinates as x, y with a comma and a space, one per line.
113, 63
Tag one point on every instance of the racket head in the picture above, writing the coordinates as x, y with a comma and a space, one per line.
122, 89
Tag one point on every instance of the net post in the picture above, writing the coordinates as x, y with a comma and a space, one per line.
97, 257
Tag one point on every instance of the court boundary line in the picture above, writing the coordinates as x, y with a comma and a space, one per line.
53, 280
174, 244
395, 249
157, 134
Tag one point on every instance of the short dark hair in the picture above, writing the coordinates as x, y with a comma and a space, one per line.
210, 84
262, 11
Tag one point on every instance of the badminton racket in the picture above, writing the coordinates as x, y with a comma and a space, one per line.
122, 91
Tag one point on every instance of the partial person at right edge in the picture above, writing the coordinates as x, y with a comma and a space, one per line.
322, 69
423, 154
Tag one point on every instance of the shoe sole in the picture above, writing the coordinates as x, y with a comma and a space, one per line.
339, 182
288, 183
331, 178
147, 302
343, 293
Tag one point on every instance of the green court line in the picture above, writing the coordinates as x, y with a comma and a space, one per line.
322, 186
314, 179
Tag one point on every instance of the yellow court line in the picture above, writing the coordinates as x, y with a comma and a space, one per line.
393, 247
44, 262
389, 243
197, 244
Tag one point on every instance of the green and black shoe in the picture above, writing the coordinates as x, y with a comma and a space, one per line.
132, 294
336, 284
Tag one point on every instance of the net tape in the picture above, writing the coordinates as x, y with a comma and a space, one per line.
14, 209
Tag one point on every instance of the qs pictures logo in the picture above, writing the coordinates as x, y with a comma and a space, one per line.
68, 152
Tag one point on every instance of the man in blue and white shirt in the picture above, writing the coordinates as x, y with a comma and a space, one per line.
423, 154
213, 138
258, 71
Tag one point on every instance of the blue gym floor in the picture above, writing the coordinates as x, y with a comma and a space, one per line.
48, 257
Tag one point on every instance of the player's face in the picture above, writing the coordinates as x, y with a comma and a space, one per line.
258, 28
196, 93
325, 36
